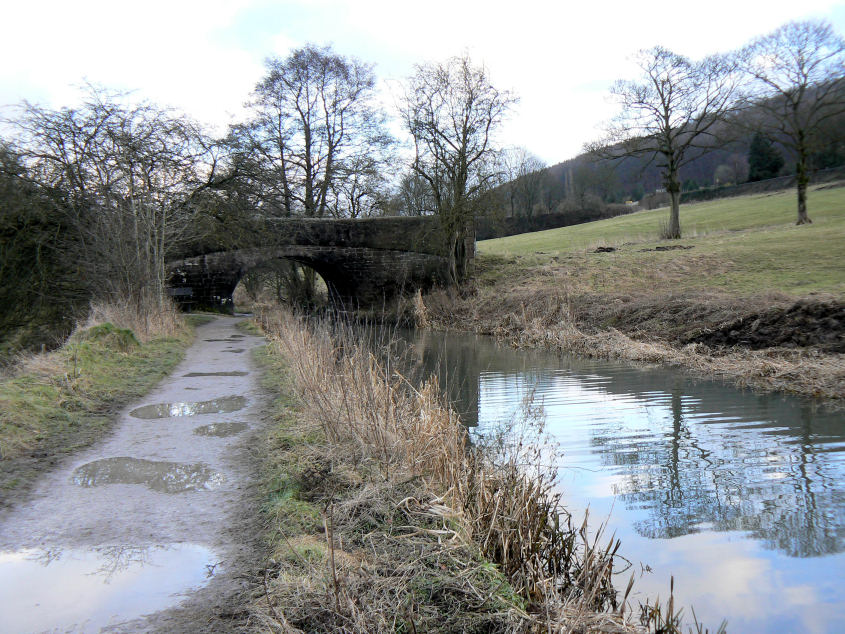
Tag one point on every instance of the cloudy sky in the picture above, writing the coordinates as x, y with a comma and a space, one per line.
204, 56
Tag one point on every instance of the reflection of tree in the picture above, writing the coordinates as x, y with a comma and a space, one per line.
47, 556
721, 460
117, 559
729, 478
112, 559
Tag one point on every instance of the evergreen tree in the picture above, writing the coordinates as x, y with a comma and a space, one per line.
764, 160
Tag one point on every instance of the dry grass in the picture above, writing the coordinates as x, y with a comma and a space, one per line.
552, 318
406, 524
147, 322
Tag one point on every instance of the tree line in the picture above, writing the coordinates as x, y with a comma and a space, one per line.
774, 107
98, 197
787, 85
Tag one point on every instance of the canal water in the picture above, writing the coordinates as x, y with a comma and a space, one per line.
739, 496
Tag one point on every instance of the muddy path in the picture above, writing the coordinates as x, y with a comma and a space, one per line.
154, 528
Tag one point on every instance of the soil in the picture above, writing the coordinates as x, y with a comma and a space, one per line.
151, 488
804, 324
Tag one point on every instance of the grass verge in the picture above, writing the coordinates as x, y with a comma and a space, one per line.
54, 403
384, 517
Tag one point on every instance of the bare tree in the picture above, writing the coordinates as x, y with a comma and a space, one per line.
523, 175
316, 122
413, 196
317, 145
129, 173
798, 84
671, 110
452, 110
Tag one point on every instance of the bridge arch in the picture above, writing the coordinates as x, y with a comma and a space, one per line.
363, 262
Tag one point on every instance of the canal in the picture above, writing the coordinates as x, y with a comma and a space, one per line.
738, 496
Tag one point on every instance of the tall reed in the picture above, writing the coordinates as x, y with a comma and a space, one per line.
496, 497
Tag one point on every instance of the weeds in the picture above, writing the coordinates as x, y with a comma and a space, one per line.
422, 529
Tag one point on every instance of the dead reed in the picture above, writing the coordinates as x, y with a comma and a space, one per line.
548, 320
148, 320
423, 529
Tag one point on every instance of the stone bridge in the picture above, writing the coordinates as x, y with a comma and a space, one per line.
363, 261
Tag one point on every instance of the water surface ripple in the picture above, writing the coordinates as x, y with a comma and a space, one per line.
740, 496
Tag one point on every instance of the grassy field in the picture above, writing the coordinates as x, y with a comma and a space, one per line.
740, 246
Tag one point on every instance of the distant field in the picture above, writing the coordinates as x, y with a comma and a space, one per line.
744, 245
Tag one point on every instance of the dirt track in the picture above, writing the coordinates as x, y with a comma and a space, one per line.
162, 509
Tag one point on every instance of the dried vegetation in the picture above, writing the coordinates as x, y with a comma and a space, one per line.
387, 517
647, 329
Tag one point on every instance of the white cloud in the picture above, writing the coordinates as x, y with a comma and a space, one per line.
205, 57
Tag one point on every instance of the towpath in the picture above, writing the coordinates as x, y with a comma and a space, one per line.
153, 528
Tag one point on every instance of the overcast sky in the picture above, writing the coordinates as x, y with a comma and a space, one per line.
205, 56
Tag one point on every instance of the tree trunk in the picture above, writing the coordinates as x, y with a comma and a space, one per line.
674, 189
801, 181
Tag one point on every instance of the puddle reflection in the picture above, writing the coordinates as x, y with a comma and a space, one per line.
164, 477
167, 410
221, 429
89, 589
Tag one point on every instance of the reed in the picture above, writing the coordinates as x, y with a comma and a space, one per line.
422, 527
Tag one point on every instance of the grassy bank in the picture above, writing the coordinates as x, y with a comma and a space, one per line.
54, 403
383, 517
746, 294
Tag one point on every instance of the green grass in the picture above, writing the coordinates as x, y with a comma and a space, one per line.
64, 399
741, 246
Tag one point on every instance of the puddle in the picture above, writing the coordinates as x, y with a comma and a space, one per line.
215, 340
236, 336
221, 429
191, 388
164, 477
235, 350
231, 373
84, 590
167, 410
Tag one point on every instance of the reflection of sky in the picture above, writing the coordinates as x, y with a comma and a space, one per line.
739, 497
85, 590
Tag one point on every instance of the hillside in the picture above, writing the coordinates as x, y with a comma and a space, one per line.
737, 245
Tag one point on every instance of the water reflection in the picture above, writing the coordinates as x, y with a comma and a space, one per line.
220, 430
164, 477
694, 470
88, 589
167, 410
682, 463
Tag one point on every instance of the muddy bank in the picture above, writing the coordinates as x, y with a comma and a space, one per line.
764, 342
156, 526
805, 324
